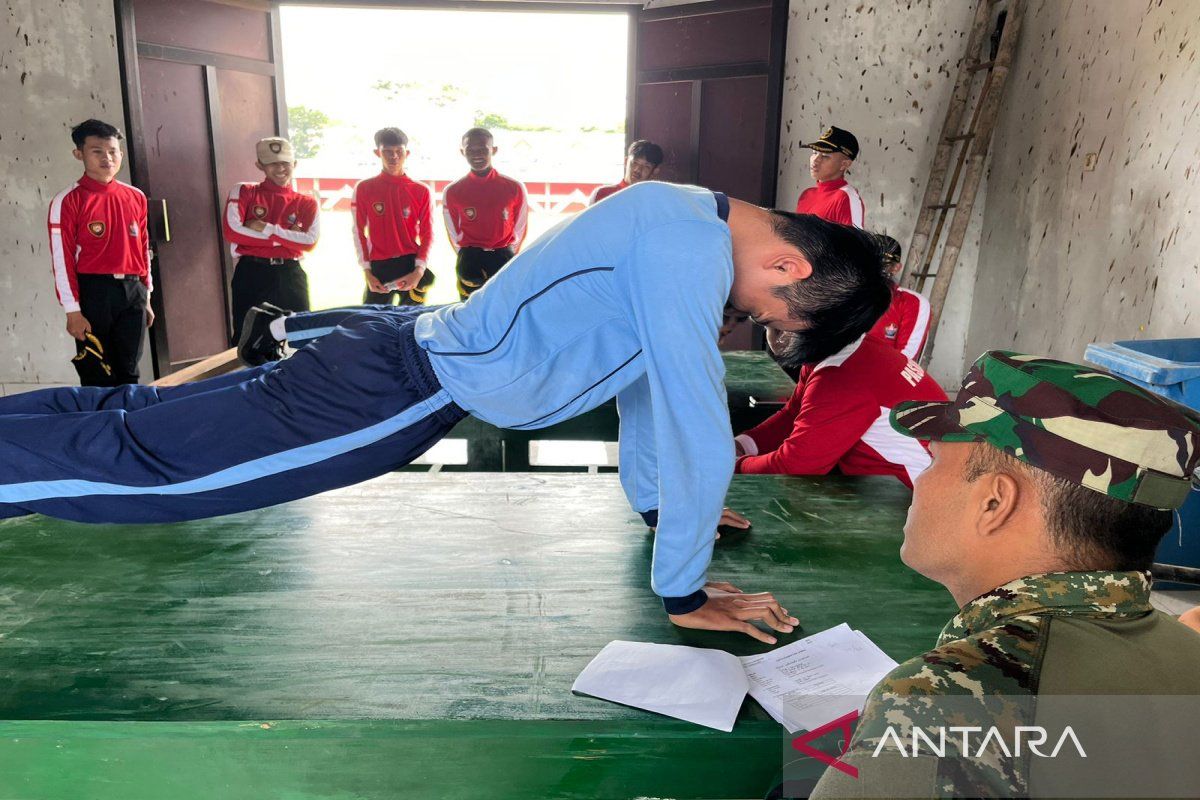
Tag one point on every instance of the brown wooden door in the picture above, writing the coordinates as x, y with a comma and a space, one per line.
708, 87
203, 83
709, 82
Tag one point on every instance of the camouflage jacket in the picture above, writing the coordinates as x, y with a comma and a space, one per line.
1065, 634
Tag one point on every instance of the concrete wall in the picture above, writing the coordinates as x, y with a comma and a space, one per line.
58, 65
1071, 256
883, 70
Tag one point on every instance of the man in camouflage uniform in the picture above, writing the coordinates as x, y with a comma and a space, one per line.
1050, 488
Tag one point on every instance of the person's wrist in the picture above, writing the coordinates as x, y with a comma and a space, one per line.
678, 606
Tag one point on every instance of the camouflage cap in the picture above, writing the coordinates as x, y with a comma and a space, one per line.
1076, 423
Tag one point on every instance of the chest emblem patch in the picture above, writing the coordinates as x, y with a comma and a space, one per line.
505, 214
891, 330
133, 229
407, 212
378, 206
259, 211
96, 228
469, 213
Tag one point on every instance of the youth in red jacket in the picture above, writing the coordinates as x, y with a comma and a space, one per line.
393, 227
100, 254
837, 419
486, 213
832, 198
269, 227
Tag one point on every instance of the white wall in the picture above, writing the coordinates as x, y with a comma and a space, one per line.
883, 70
58, 66
1071, 256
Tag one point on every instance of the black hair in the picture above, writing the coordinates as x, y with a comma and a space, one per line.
890, 248
646, 150
846, 294
391, 137
1090, 530
93, 127
484, 132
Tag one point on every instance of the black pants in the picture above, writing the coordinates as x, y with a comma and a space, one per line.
387, 271
257, 280
116, 310
475, 265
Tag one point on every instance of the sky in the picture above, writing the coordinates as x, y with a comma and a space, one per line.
566, 70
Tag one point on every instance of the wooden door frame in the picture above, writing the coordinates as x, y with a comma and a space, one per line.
128, 52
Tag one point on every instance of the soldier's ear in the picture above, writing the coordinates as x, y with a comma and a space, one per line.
999, 502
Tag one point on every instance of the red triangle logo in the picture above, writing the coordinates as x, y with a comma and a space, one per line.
843, 724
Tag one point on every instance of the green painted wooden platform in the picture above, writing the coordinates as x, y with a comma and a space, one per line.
755, 384
415, 636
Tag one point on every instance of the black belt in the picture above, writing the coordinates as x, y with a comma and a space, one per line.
508, 249
109, 276
275, 262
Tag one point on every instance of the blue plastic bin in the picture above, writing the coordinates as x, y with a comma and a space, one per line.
1171, 368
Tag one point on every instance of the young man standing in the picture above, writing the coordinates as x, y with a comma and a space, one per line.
486, 214
623, 300
905, 325
392, 227
641, 164
832, 198
100, 252
269, 228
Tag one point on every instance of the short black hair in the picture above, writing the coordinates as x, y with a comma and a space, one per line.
1090, 530
484, 132
391, 137
93, 127
846, 294
646, 150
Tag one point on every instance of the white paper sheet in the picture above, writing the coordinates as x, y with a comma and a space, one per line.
802, 686
817, 679
703, 686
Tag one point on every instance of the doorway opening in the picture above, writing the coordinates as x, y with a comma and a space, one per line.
551, 87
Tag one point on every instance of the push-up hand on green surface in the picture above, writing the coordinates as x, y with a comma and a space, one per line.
730, 609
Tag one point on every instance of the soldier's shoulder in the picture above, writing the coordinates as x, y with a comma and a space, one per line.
999, 660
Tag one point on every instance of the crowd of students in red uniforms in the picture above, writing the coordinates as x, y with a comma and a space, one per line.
835, 421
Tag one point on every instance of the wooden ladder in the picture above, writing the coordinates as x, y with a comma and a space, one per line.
940, 202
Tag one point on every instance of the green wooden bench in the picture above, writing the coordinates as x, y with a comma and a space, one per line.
412, 637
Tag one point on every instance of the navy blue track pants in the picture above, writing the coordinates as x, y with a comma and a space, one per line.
356, 402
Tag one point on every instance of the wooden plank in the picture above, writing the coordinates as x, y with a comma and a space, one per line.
918, 247
221, 363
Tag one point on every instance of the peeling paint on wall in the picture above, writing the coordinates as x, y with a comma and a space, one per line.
885, 71
1090, 229
58, 66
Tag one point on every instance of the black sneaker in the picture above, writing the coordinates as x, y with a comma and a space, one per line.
274, 309
257, 345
